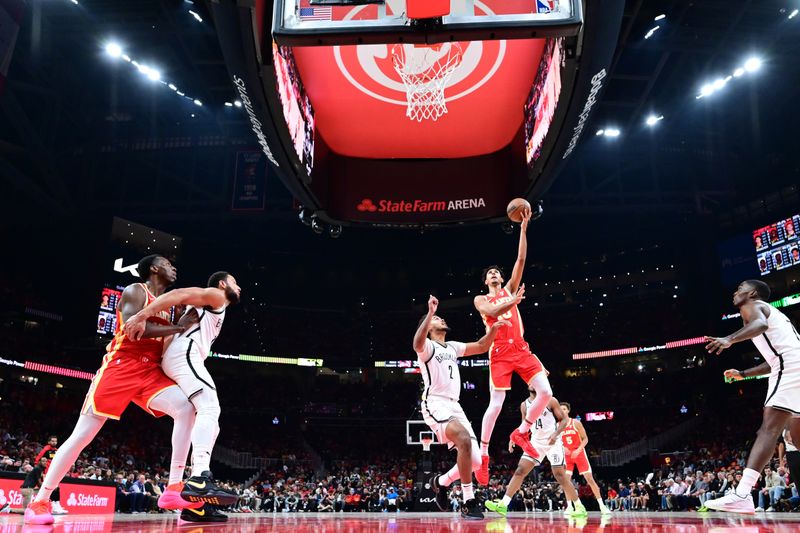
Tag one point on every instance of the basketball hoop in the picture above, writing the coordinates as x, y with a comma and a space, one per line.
426, 443
425, 71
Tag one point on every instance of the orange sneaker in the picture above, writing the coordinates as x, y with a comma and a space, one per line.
482, 475
39, 513
521, 440
171, 498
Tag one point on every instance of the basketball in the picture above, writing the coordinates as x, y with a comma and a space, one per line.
516, 208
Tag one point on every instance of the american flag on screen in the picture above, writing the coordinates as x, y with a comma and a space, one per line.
309, 12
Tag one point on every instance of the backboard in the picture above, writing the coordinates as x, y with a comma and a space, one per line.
326, 22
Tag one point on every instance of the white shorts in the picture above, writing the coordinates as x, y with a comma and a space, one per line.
554, 454
437, 412
783, 392
183, 364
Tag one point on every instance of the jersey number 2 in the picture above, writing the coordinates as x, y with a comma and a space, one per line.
450, 368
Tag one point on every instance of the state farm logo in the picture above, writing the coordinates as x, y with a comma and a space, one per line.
419, 206
369, 67
14, 498
84, 500
367, 205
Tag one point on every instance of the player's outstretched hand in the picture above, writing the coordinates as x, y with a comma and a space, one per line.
520, 295
189, 319
511, 446
433, 304
526, 218
500, 324
717, 344
553, 439
733, 375
134, 327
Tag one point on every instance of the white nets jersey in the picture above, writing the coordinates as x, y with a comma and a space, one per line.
545, 425
203, 334
780, 344
439, 368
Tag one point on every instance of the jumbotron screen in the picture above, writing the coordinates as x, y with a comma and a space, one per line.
543, 99
107, 316
777, 245
297, 110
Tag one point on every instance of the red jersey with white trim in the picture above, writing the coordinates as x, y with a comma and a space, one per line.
570, 436
151, 349
515, 333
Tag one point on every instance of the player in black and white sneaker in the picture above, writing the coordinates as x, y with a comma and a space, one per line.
438, 361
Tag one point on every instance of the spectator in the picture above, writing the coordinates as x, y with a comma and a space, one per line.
772, 490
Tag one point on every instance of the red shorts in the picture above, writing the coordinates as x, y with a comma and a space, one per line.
123, 379
582, 462
507, 358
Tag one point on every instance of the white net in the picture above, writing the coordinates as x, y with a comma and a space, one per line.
425, 71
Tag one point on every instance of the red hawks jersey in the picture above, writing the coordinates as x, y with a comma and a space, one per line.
570, 436
149, 348
516, 332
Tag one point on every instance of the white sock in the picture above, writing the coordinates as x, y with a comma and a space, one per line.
525, 426
205, 430
600, 502
83, 434
749, 478
577, 504
506, 500
447, 479
466, 488
569, 505
174, 403
496, 398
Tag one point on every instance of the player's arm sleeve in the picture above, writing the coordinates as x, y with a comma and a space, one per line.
427, 352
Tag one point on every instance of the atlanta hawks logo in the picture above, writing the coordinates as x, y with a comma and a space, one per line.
370, 68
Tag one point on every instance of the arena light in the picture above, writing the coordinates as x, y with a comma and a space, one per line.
198, 102
228, 104
196, 16
662, 16
652, 120
237, 103
114, 50
793, 14
752, 64
739, 72
611, 132
652, 31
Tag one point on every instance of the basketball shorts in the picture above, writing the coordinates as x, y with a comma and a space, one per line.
123, 379
507, 358
438, 412
783, 392
581, 461
554, 453
183, 363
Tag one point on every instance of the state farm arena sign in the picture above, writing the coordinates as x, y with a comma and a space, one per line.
77, 498
418, 206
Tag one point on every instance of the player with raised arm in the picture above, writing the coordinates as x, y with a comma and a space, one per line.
184, 362
779, 343
509, 353
546, 439
575, 439
131, 372
438, 360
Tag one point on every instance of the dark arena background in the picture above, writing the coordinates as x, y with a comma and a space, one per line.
344, 161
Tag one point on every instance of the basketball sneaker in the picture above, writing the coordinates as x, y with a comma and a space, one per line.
440, 492
522, 440
204, 489
497, 506
171, 499
482, 475
732, 503
471, 510
206, 513
57, 509
39, 513
579, 511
